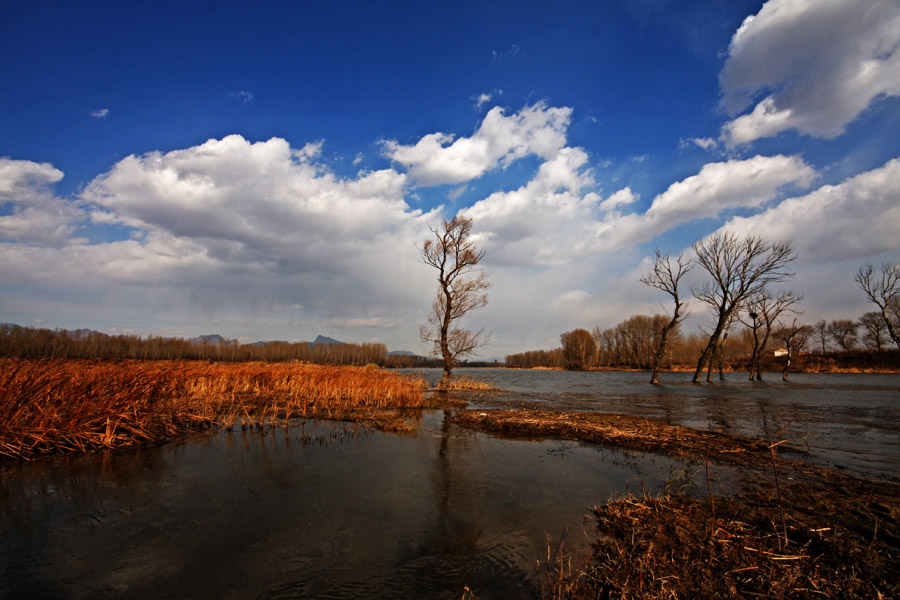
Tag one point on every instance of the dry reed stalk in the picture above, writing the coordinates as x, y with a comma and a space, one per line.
77, 405
466, 383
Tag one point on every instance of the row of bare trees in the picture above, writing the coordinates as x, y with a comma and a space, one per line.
27, 342
739, 287
632, 343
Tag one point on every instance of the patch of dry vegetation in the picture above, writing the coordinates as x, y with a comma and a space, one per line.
829, 543
794, 531
466, 383
628, 431
77, 405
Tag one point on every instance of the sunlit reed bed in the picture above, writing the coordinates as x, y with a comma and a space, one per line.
74, 405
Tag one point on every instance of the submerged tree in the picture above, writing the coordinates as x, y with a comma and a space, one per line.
456, 258
795, 338
884, 292
763, 309
739, 268
665, 275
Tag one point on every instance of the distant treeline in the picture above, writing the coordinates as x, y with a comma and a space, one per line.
632, 343
28, 342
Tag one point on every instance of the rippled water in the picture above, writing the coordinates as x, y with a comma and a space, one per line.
324, 511
847, 420
329, 510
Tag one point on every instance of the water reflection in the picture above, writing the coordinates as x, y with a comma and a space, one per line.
321, 510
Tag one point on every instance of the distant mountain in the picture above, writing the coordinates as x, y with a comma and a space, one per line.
321, 339
79, 334
261, 344
401, 353
213, 340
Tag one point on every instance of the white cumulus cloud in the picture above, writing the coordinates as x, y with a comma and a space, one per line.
234, 226
440, 158
809, 65
855, 219
542, 221
36, 215
718, 187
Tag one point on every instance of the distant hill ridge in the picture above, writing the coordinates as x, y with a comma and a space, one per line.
213, 339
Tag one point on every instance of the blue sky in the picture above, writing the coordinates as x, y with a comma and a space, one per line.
265, 171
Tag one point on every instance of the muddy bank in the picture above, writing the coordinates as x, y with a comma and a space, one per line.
793, 530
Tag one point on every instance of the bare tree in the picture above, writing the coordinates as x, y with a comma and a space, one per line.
821, 331
843, 332
665, 275
884, 292
717, 357
455, 257
761, 311
579, 349
739, 268
875, 330
795, 338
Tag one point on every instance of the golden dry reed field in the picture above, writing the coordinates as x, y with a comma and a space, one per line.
77, 405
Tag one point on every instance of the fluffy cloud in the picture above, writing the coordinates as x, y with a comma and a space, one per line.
555, 217
539, 223
623, 197
731, 184
439, 158
856, 219
237, 227
716, 188
247, 203
810, 65
35, 216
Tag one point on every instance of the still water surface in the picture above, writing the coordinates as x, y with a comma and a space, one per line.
323, 511
329, 510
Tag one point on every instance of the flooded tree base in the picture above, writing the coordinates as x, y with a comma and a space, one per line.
793, 530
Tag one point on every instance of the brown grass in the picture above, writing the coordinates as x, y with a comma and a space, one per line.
678, 547
465, 383
819, 533
627, 431
75, 405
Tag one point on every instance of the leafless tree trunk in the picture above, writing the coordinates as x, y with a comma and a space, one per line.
739, 268
455, 256
795, 338
665, 276
763, 309
884, 292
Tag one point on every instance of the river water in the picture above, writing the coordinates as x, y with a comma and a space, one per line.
850, 421
331, 510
